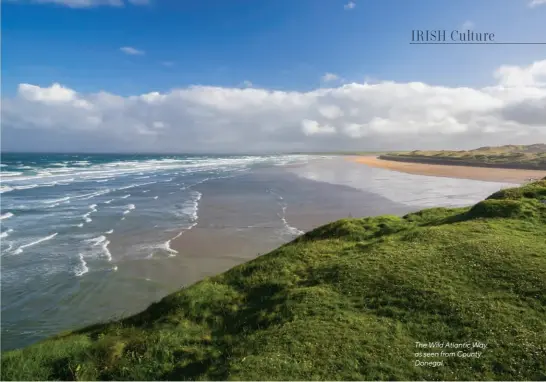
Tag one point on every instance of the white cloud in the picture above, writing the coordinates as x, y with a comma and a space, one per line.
468, 25
350, 5
383, 115
529, 76
536, 3
310, 127
247, 84
91, 3
330, 111
55, 93
131, 51
329, 77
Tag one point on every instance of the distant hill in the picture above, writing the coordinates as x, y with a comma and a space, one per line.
351, 300
536, 148
525, 157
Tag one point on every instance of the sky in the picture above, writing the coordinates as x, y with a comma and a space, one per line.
268, 75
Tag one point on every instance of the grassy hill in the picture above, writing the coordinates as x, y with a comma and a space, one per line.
532, 157
346, 301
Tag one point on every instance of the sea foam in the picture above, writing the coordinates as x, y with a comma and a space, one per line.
20, 249
130, 207
82, 268
5, 234
7, 215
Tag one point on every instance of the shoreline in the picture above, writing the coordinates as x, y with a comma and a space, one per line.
290, 302
238, 219
515, 176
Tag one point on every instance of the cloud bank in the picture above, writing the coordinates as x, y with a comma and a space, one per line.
385, 115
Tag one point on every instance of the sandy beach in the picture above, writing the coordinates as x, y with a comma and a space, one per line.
462, 172
166, 229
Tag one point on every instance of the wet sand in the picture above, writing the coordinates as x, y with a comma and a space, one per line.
245, 217
462, 172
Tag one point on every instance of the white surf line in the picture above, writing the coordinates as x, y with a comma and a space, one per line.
193, 208
109, 232
67, 199
167, 245
9, 248
96, 240
92, 194
280, 201
292, 230
6, 233
26, 187
7, 215
130, 207
101, 240
195, 184
194, 217
136, 185
86, 217
82, 268
106, 250
20, 249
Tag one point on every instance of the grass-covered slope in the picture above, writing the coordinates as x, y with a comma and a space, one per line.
346, 301
531, 157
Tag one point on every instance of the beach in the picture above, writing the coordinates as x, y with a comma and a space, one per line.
89, 238
462, 172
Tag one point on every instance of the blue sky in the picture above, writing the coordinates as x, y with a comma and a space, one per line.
167, 75
279, 44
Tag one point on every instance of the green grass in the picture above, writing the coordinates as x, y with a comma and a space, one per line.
347, 301
511, 156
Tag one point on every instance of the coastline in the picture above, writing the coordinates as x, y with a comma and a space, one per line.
298, 300
221, 222
515, 176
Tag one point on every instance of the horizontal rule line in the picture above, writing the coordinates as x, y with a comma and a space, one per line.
477, 43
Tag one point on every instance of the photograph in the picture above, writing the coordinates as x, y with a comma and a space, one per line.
273, 190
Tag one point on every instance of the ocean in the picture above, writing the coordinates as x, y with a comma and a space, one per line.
85, 238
